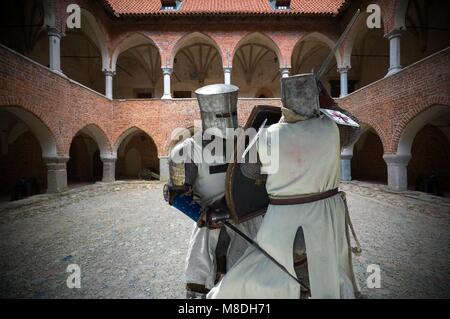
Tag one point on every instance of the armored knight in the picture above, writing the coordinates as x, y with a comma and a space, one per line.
306, 215
197, 187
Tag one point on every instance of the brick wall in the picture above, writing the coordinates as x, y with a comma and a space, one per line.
388, 105
65, 107
169, 31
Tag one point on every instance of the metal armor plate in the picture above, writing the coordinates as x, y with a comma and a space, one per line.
247, 198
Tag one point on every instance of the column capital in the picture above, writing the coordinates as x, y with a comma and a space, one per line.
396, 160
346, 156
284, 71
109, 72
396, 33
108, 159
53, 32
56, 159
167, 71
343, 69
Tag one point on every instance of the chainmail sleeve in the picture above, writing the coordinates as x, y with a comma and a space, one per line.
183, 170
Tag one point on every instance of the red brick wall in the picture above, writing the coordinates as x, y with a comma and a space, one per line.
389, 104
285, 33
65, 107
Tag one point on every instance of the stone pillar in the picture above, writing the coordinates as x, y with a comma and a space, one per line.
109, 83
109, 169
284, 72
346, 164
394, 52
167, 93
163, 168
56, 174
344, 80
397, 171
54, 38
227, 75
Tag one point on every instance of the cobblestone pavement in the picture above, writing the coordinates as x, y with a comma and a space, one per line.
130, 244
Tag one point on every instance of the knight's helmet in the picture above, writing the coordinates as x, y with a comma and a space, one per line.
218, 107
300, 93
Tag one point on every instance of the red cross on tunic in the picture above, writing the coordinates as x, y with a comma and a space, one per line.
340, 116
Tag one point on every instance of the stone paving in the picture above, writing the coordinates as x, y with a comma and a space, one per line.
130, 244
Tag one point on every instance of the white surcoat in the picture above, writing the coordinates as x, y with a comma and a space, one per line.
309, 162
208, 188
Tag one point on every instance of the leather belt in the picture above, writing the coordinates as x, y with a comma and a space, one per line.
302, 199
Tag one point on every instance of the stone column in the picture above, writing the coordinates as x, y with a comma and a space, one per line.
167, 93
397, 171
344, 80
394, 52
56, 174
227, 75
109, 169
346, 164
163, 168
284, 72
54, 38
109, 83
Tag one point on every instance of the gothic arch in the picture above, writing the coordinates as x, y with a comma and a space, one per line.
136, 151
130, 41
99, 136
44, 135
192, 38
410, 131
319, 37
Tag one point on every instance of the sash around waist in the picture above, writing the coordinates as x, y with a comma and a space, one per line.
302, 199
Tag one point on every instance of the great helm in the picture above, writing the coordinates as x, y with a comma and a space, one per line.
300, 93
218, 107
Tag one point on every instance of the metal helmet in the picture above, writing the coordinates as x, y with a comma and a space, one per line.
218, 107
300, 93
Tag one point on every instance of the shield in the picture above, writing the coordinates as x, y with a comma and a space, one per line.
247, 198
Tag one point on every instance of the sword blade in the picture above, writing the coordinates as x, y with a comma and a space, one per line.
330, 56
265, 253
253, 141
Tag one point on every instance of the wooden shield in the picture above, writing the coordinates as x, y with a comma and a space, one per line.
247, 198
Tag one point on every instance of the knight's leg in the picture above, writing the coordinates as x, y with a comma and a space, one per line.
221, 254
200, 261
300, 260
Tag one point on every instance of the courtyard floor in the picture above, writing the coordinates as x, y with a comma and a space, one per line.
129, 244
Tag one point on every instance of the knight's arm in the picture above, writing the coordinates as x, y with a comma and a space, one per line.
183, 172
348, 135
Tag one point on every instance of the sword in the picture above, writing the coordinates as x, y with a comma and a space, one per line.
253, 141
265, 253
330, 56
